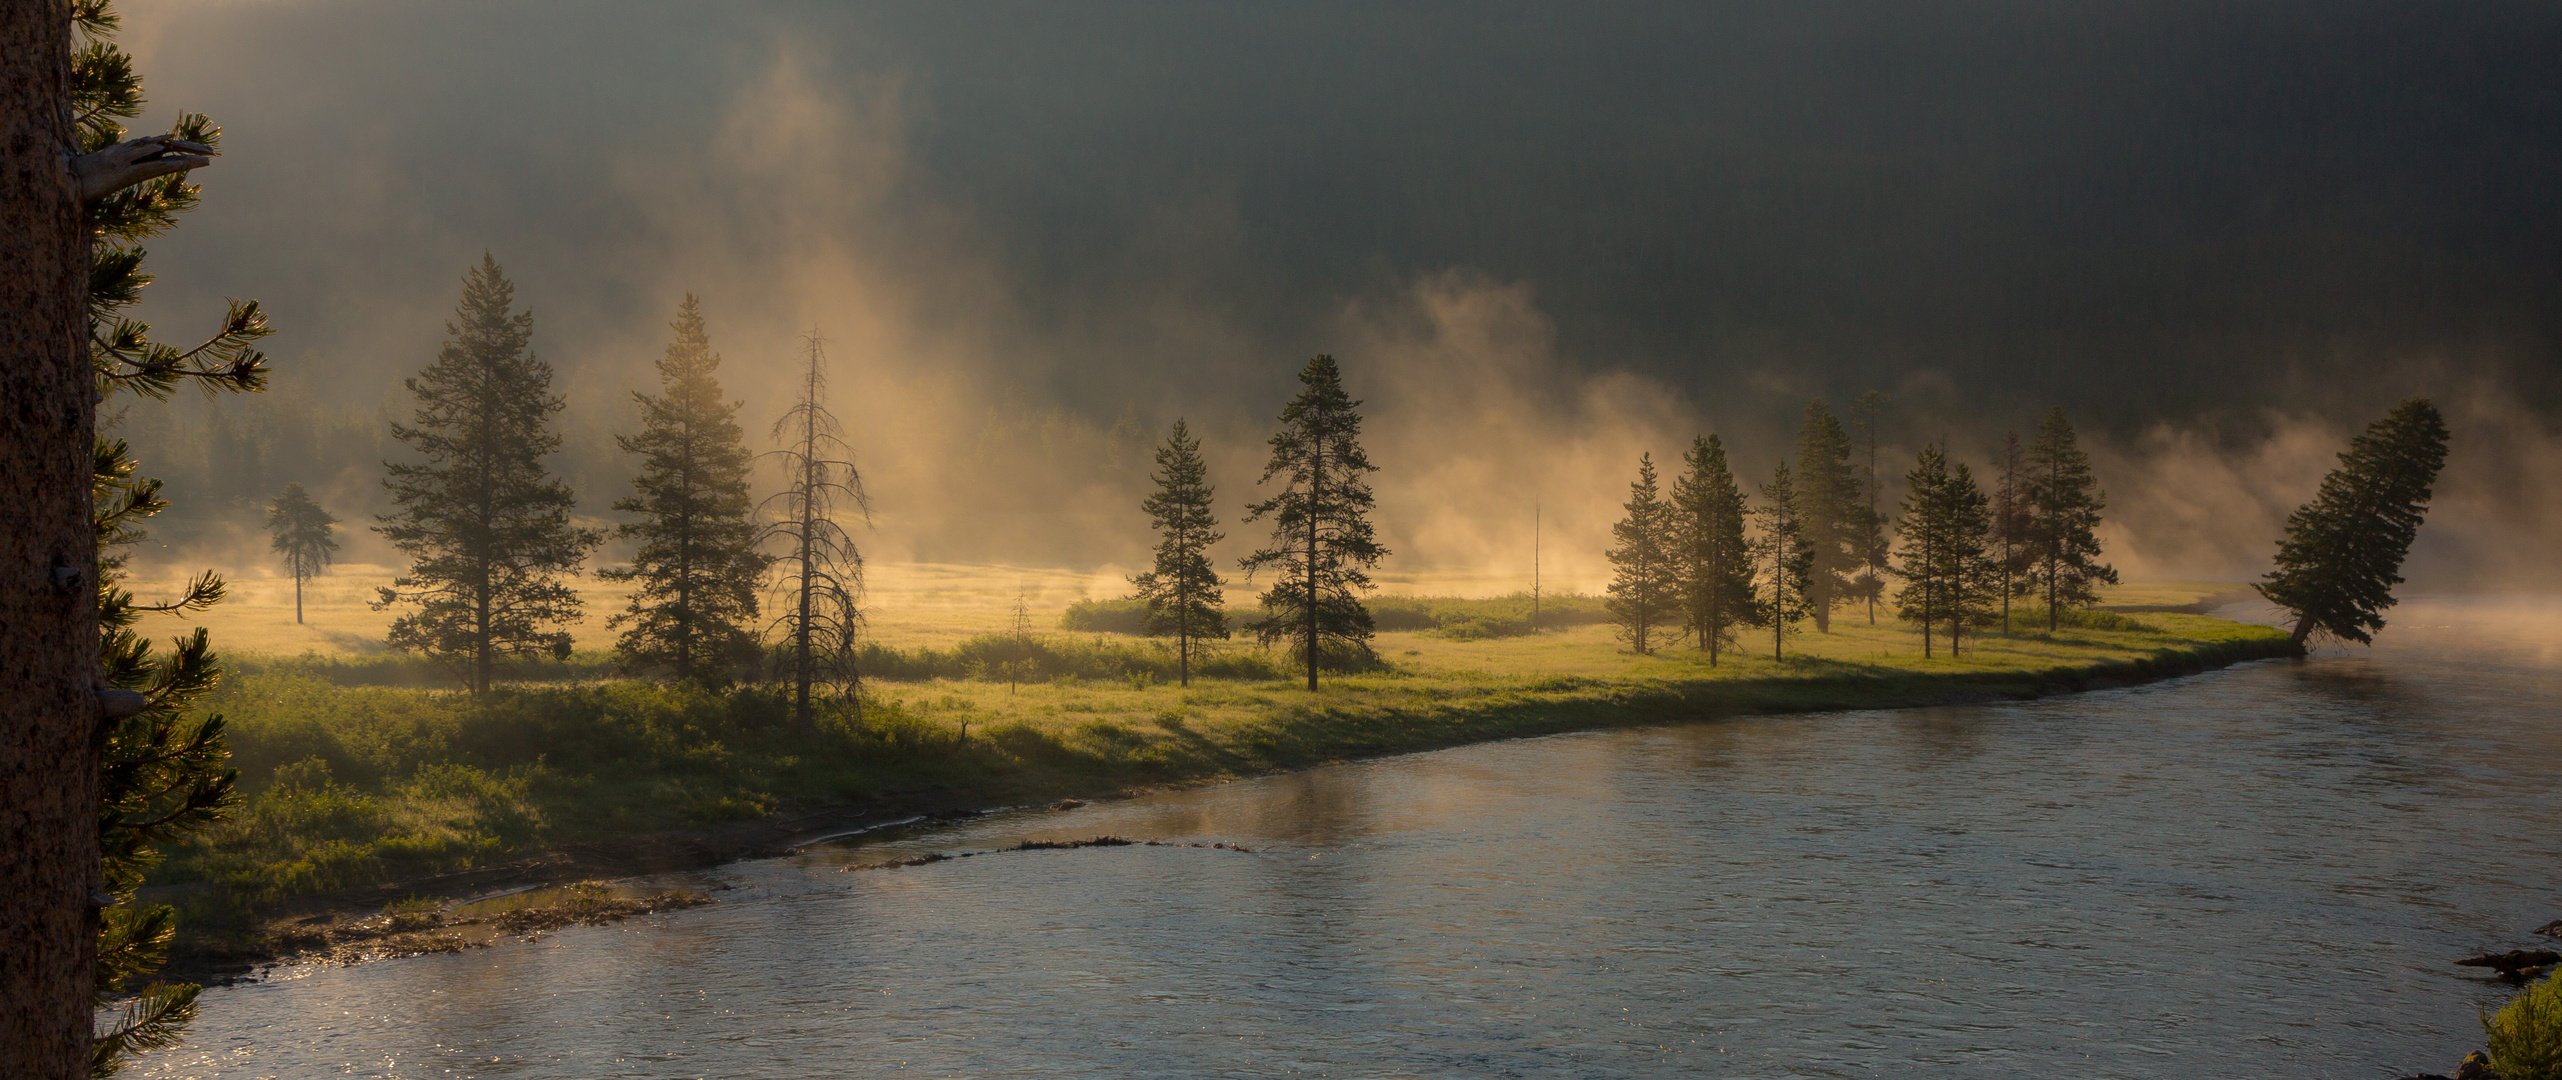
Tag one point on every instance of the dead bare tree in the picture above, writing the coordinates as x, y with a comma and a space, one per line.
820, 585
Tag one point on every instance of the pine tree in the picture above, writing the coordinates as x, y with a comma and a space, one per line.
698, 569
1828, 497
1711, 561
821, 585
162, 772
1645, 588
1947, 576
1780, 558
2343, 551
1322, 544
2014, 528
1874, 550
1182, 592
486, 527
301, 532
2064, 501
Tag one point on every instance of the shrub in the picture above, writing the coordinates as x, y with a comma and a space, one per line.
2034, 618
2525, 1037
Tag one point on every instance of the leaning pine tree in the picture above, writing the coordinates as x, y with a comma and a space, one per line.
1322, 546
2064, 501
301, 532
697, 571
1182, 591
486, 526
2343, 551
821, 586
1779, 555
1834, 518
1711, 560
1644, 589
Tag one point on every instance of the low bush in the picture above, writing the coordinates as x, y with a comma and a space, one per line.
1478, 618
2525, 1036
2034, 618
1046, 657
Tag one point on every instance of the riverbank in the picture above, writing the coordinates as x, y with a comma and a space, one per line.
365, 796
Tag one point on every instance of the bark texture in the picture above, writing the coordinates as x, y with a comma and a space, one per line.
48, 564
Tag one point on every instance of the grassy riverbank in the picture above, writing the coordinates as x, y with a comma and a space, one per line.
357, 773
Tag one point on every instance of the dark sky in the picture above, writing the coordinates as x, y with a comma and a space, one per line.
2137, 210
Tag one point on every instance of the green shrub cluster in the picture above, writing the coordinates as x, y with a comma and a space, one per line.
2525, 1037
2034, 618
411, 669
1463, 618
1044, 658
1477, 618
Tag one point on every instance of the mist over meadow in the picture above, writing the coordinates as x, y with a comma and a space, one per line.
1541, 241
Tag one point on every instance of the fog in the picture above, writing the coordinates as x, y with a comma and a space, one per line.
1541, 242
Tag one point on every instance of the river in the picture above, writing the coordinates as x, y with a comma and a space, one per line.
2261, 871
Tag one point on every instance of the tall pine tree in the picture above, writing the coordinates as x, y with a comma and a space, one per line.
1322, 544
2064, 501
1948, 579
821, 581
2343, 551
1711, 559
697, 571
1182, 592
1833, 519
1645, 589
162, 771
1780, 558
301, 532
486, 526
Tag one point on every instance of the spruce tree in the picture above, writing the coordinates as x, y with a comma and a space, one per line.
1182, 592
1780, 557
697, 571
1711, 560
301, 532
486, 526
1875, 551
2343, 551
1322, 545
1834, 523
2064, 501
821, 583
1645, 587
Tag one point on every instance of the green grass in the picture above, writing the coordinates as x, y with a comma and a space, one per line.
349, 784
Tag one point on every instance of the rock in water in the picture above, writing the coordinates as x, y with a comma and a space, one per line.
2477, 1066
2551, 929
2513, 961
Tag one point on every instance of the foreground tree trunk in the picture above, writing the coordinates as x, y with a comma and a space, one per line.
48, 564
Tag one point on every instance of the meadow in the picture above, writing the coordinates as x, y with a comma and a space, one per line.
360, 767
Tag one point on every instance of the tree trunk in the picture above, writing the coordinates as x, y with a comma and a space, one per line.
298, 580
49, 715
2303, 631
1316, 507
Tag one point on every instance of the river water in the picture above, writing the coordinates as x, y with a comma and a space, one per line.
2261, 871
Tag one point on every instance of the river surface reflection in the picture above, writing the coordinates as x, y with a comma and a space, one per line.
2256, 872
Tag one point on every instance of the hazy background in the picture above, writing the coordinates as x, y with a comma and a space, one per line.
1541, 240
